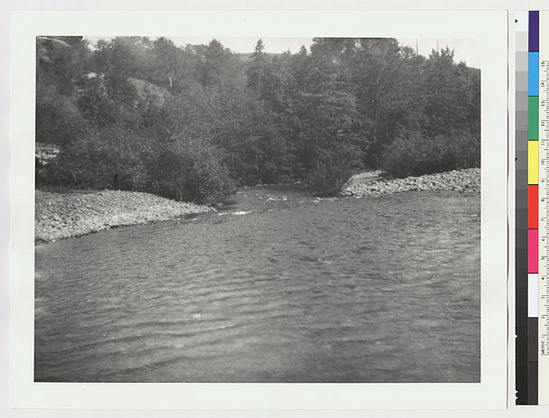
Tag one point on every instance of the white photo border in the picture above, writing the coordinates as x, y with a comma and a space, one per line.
488, 27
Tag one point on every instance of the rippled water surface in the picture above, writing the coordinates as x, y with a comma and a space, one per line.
277, 287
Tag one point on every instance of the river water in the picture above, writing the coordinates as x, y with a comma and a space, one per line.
279, 286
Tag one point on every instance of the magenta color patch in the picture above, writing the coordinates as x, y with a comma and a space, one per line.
532, 251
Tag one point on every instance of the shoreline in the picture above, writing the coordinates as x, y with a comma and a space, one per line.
371, 184
79, 213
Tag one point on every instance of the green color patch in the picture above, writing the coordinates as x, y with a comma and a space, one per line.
533, 117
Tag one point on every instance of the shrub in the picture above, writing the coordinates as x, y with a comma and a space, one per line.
110, 158
191, 170
413, 154
332, 169
58, 120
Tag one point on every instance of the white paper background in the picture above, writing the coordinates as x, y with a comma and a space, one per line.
488, 28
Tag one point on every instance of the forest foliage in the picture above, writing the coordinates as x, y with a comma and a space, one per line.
195, 122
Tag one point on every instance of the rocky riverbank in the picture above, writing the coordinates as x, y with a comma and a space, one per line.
371, 184
76, 213
70, 214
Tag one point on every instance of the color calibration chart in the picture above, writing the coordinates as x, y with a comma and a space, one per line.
532, 207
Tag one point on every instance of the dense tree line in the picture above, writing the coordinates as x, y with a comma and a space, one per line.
194, 122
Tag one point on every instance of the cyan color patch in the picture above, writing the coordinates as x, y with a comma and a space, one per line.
533, 73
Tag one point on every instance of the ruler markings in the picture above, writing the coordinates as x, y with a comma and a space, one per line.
536, 241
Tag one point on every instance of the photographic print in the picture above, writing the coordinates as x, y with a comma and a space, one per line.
259, 210
211, 214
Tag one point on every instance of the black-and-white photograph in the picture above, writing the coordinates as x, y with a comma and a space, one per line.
257, 210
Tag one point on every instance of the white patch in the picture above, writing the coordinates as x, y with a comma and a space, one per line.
242, 212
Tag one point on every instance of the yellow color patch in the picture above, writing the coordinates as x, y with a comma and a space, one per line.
533, 162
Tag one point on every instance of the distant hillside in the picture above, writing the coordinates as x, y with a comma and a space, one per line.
150, 93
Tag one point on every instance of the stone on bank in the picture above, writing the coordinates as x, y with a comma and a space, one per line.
64, 215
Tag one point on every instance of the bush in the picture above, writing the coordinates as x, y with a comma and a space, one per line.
414, 155
110, 158
58, 120
332, 169
190, 170
114, 158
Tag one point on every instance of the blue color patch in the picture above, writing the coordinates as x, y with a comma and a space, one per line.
533, 74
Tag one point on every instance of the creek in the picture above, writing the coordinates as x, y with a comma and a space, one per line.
278, 286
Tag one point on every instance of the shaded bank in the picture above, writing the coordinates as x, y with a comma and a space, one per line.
76, 213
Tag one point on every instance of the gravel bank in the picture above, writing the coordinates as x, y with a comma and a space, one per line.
71, 214
63, 215
362, 185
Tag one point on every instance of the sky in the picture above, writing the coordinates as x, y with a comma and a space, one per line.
464, 49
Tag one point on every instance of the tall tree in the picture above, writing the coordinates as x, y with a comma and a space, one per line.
219, 66
256, 71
